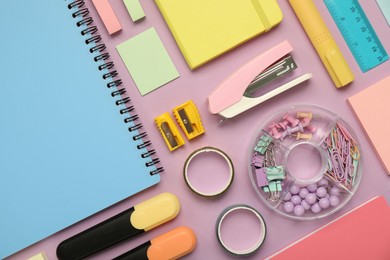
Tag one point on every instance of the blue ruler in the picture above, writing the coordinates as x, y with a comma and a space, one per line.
357, 32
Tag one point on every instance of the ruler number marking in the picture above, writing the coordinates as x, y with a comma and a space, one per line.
357, 32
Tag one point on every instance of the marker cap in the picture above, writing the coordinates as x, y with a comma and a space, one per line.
155, 211
173, 244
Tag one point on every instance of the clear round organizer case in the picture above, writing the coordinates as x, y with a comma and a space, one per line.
305, 162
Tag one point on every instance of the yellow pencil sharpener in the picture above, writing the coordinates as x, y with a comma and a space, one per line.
169, 131
188, 118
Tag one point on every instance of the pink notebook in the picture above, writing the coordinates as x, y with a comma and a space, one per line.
362, 233
371, 107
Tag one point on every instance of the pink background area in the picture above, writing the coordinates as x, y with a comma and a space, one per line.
235, 136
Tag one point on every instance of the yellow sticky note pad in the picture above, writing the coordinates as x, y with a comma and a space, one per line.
205, 29
40, 256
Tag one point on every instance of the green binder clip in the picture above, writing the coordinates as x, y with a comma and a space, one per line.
273, 187
275, 173
263, 143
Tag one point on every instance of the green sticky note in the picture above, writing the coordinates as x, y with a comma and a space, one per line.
147, 61
135, 9
384, 5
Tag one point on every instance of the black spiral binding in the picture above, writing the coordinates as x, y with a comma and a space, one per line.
82, 14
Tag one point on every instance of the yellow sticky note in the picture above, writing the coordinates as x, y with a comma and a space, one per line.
205, 29
40, 256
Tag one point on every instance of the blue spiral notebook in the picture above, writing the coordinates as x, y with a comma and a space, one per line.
65, 150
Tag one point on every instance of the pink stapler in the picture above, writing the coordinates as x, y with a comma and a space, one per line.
235, 94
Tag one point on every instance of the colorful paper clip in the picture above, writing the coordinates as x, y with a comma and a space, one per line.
188, 118
235, 94
169, 131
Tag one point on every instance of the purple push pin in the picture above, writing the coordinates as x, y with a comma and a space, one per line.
288, 207
290, 131
298, 128
299, 210
296, 200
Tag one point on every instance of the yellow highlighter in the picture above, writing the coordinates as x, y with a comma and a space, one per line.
323, 42
129, 223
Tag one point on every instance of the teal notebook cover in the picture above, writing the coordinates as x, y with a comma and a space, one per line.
65, 152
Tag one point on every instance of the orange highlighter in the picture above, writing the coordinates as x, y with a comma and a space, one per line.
171, 245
